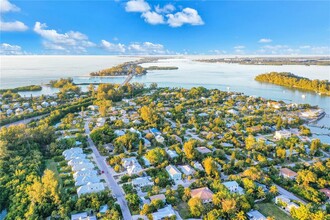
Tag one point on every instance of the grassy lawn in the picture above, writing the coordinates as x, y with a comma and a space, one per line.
51, 165
269, 209
183, 210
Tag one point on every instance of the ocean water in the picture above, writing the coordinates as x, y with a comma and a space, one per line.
26, 70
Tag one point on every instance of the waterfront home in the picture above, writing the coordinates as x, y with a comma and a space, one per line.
172, 154
282, 134
287, 173
203, 150
158, 197
90, 188
233, 187
174, 173
187, 170
255, 215
204, 194
142, 181
165, 212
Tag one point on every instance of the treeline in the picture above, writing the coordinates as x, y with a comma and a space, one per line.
121, 70
293, 81
22, 89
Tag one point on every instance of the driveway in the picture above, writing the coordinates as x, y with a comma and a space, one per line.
289, 194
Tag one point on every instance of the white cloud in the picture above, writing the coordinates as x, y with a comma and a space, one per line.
186, 16
146, 48
218, 52
13, 26
239, 47
265, 40
278, 50
320, 50
137, 6
72, 41
166, 9
153, 18
115, 48
7, 49
6, 6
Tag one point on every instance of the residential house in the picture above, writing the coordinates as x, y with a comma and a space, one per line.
142, 181
255, 215
203, 150
83, 180
158, 197
82, 216
282, 134
204, 194
172, 154
80, 166
167, 211
326, 192
187, 170
159, 139
233, 187
174, 173
84, 172
133, 169
287, 173
198, 166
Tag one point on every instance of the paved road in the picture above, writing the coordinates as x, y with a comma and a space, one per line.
113, 186
24, 121
289, 194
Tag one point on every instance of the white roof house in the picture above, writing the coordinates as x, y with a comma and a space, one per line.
135, 168
172, 154
90, 188
147, 143
84, 172
83, 180
198, 166
186, 169
233, 187
142, 181
9, 111
77, 160
53, 103
282, 134
159, 139
82, 216
72, 150
44, 104
129, 161
174, 173
119, 132
81, 166
255, 215
167, 211
146, 161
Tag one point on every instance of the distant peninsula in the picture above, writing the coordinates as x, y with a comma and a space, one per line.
22, 89
278, 61
294, 81
162, 68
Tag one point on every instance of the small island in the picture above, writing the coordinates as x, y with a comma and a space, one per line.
162, 68
294, 81
121, 70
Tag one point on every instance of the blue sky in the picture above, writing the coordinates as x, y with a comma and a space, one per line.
165, 27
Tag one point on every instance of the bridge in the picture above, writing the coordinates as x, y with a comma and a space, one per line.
128, 78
